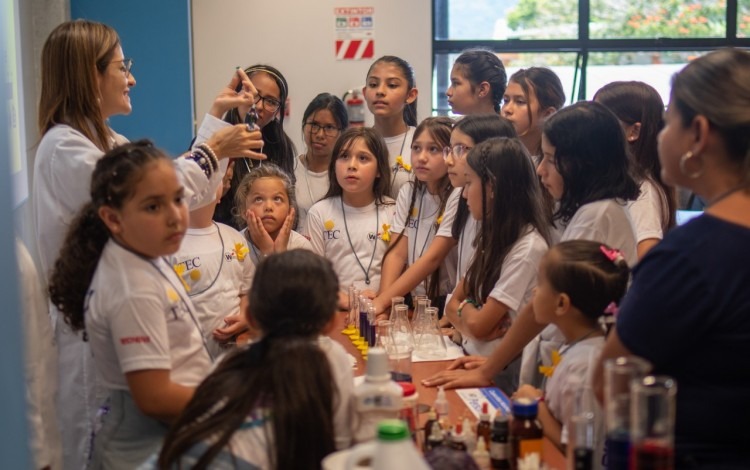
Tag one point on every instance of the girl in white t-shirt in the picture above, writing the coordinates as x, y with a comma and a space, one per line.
351, 225
420, 211
322, 122
454, 239
503, 195
585, 169
640, 110
145, 336
391, 96
284, 401
578, 281
266, 205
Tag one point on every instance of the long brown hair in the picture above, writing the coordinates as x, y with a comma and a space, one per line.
505, 166
439, 129
74, 53
637, 102
292, 299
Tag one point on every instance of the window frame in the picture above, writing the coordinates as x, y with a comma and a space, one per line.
581, 46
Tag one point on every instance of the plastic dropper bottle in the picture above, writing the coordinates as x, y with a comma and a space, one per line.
378, 397
484, 428
481, 456
441, 404
499, 447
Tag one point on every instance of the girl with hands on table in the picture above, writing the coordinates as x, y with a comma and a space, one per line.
503, 196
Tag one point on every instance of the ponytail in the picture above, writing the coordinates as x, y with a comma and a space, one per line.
74, 269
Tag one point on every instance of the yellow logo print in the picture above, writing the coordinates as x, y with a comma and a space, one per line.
195, 274
413, 213
241, 251
172, 295
386, 235
180, 270
328, 224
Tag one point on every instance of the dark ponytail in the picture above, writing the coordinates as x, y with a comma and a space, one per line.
410, 110
112, 183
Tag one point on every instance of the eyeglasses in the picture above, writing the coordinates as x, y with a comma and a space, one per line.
328, 130
126, 66
269, 104
458, 151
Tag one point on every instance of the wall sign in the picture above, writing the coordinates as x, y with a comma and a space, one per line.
355, 33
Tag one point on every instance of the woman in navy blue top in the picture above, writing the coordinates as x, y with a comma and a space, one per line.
688, 309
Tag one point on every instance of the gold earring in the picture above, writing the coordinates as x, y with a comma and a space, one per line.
684, 160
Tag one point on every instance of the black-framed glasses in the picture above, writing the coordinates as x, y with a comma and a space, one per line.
126, 66
458, 151
269, 104
328, 130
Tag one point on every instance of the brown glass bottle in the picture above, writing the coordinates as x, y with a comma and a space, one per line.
484, 428
525, 431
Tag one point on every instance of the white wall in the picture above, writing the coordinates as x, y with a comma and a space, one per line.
297, 37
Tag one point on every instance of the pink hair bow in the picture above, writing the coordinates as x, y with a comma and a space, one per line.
612, 254
612, 309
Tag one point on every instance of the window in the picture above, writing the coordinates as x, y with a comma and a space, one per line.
588, 43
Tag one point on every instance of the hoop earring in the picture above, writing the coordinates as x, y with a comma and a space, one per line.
683, 163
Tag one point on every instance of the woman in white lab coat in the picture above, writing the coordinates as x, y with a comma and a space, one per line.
85, 80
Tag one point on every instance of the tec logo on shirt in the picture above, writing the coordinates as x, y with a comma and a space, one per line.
330, 232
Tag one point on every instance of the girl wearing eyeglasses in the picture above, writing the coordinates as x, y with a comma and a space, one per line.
268, 114
322, 122
391, 96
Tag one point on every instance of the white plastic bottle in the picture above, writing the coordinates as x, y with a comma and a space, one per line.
394, 449
378, 397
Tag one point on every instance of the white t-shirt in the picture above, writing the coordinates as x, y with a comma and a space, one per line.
569, 379
358, 251
606, 221
295, 241
249, 446
515, 286
310, 187
215, 265
138, 317
399, 145
420, 228
646, 212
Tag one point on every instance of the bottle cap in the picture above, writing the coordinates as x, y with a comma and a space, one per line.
392, 430
408, 388
481, 449
500, 419
377, 365
485, 415
525, 408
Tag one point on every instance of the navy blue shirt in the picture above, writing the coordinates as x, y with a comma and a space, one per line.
688, 313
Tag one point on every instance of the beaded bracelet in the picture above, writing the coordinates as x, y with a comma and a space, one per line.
210, 152
203, 161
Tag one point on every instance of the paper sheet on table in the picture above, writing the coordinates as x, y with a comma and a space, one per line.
454, 352
474, 397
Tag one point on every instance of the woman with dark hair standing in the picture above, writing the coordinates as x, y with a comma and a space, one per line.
693, 284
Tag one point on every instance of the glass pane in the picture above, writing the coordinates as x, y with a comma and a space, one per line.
654, 68
506, 19
743, 18
563, 64
657, 19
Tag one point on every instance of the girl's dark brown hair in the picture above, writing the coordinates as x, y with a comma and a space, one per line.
480, 65
375, 143
590, 155
72, 56
112, 184
505, 166
638, 102
580, 269
293, 297
410, 110
439, 129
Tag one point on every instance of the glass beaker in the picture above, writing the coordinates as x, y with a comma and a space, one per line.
618, 374
401, 328
398, 300
652, 412
430, 343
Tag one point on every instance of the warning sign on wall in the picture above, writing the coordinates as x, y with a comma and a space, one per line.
355, 33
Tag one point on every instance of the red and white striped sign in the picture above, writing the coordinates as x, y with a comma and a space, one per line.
355, 49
